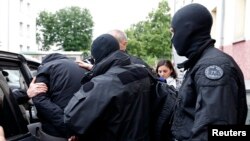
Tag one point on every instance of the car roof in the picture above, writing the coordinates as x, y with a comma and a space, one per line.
18, 57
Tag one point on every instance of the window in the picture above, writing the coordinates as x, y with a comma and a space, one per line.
28, 30
15, 79
21, 6
21, 28
28, 6
239, 25
21, 47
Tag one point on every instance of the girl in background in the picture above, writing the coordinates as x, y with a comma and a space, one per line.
166, 71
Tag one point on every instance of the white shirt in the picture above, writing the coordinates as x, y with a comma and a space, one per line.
171, 81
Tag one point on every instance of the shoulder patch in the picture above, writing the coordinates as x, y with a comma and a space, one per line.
88, 86
214, 72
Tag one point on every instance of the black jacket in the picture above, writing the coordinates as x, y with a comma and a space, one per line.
114, 105
212, 92
63, 78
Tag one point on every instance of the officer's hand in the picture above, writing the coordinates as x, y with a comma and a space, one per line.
73, 138
2, 138
36, 88
84, 64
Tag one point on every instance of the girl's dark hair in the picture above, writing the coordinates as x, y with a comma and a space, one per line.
168, 64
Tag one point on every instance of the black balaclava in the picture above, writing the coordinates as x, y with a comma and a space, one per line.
192, 25
102, 46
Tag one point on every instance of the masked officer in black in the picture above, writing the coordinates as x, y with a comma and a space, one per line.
113, 103
213, 89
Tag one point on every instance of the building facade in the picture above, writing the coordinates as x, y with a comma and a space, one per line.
17, 26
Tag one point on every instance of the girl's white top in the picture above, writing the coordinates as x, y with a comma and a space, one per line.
171, 81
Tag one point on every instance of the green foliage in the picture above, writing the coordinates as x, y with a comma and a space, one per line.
70, 28
151, 38
46, 21
151, 61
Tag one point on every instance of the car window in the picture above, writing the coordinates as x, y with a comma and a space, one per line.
15, 78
